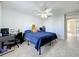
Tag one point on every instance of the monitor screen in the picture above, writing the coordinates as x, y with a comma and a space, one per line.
5, 31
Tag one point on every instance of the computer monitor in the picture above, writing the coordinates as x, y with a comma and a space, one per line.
5, 31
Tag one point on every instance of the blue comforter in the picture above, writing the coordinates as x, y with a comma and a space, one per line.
39, 38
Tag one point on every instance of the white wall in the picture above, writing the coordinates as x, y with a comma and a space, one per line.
0, 19
14, 20
56, 25
0, 16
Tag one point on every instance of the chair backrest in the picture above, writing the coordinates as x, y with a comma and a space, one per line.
19, 35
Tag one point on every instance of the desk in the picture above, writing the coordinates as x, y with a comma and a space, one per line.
6, 39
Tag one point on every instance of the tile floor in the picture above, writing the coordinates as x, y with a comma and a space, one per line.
59, 48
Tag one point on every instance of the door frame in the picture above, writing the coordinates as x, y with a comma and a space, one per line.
65, 27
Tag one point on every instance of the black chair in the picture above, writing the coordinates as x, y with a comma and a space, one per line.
19, 37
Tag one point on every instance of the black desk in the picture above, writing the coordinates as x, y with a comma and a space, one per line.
6, 39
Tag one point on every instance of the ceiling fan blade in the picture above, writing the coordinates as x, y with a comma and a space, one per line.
50, 14
48, 10
39, 14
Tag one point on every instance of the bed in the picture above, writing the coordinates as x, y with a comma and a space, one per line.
39, 38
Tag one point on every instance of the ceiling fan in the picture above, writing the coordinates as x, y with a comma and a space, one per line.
45, 13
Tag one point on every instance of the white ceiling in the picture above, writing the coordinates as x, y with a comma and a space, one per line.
33, 7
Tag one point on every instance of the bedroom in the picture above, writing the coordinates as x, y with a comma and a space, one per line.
21, 15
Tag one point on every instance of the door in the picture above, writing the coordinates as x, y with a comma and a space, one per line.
71, 29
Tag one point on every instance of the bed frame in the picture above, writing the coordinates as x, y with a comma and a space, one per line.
40, 47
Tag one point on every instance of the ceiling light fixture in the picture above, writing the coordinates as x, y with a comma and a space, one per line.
45, 13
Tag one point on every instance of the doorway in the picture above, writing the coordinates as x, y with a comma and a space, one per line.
71, 29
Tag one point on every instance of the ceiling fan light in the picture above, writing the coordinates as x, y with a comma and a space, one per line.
43, 16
